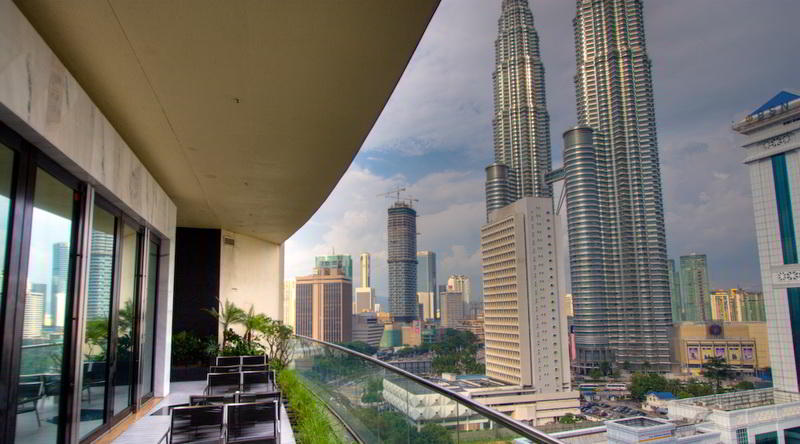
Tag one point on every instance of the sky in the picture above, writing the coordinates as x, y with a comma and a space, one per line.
714, 61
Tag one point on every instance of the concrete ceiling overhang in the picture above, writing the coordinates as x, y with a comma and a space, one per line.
247, 112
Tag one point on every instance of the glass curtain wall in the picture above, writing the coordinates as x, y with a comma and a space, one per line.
47, 306
95, 352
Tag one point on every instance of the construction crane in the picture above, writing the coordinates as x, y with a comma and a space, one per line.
396, 194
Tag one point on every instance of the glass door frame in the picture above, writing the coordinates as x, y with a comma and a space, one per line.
149, 238
27, 161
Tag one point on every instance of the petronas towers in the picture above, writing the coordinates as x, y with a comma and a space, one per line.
612, 180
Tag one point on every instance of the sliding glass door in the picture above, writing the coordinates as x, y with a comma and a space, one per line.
47, 301
149, 320
125, 319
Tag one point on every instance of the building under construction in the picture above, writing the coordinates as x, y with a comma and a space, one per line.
403, 261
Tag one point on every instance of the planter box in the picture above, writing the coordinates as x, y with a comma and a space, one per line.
192, 373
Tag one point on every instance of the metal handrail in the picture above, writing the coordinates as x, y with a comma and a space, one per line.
510, 423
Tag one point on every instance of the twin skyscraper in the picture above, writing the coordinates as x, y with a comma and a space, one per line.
612, 189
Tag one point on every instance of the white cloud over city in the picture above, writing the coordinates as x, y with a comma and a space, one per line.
713, 60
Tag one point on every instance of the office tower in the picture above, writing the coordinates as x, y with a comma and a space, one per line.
460, 284
737, 305
289, 302
772, 148
336, 261
367, 329
615, 212
568, 310
324, 305
695, 291
452, 309
674, 290
426, 283
364, 260
101, 269
521, 124
365, 300
524, 334
402, 258
34, 311
58, 286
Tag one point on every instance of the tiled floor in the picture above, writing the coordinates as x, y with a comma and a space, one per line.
149, 429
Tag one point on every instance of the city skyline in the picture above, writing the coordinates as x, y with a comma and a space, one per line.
435, 134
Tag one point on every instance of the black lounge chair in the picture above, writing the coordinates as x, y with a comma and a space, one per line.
255, 360
198, 424
260, 397
221, 383
28, 398
254, 367
262, 381
224, 369
229, 360
253, 422
212, 399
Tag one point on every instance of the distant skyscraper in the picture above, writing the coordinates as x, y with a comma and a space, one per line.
402, 258
695, 290
460, 284
521, 123
674, 290
34, 311
364, 260
336, 261
426, 283
101, 270
324, 306
618, 253
772, 149
365, 300
58, 287
452, 309
737, 305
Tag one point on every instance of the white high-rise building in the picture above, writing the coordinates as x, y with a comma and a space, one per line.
525, 333
426, 284
364, 300
460, 284
364, 260
34, 311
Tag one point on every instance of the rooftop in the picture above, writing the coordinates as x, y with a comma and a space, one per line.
782, 98
728, 402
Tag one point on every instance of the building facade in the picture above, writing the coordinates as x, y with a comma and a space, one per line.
402, 258
524, 334
618, 252
521, 123
737, 305
324, 306
366, 269
460, 284
452, 309
744, 345
426, 284
335, 261
674, 290
772, 150
367, 329
364, 300
695, 290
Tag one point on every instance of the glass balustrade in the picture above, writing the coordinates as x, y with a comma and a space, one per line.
379, 403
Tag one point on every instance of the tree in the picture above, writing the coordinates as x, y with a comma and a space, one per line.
361, 347
646, 366
434, 434
606, 368
456, 352
717, 370
228, 315
626, 366
569, 418
277, 338
596, 373
642, 383
252, 321
745, 385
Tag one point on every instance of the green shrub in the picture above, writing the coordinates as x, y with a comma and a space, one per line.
313, 424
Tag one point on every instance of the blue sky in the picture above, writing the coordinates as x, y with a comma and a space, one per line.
713, 61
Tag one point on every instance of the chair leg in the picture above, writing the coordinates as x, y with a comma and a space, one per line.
36, 410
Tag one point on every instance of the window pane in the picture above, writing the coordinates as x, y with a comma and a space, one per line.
98, 313
45, 312
149, 320
123, 378
6, 171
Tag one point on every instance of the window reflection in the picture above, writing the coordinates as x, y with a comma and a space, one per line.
148, 339
125, 318
98, 312
46, 302
6, 170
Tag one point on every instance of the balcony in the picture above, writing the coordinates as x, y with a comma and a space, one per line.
363, 400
